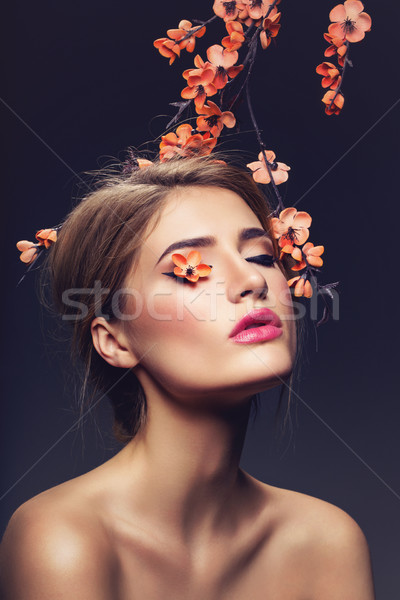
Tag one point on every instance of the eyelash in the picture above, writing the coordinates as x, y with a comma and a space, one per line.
265, 260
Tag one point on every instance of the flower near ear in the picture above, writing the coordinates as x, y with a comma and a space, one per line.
46, 237
212, 119
190, 267
291, 227
333, 102
261, 173
30, 250
302, 287
349, 21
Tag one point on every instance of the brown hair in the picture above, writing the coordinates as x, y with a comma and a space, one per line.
100, 241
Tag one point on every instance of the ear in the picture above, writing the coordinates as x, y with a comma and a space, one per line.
112, 344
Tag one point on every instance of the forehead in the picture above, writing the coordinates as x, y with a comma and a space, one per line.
200, 211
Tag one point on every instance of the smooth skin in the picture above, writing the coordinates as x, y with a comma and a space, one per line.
172, 516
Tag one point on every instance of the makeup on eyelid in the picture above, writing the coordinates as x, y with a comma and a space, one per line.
265, 260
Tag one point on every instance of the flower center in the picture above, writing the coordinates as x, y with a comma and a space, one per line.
200, 89
290, 234
229, 7
274, 166
256, 3
348, 25
189, 270
212, 120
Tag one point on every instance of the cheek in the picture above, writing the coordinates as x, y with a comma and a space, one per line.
173, 316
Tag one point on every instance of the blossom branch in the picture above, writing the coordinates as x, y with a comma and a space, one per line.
263, 148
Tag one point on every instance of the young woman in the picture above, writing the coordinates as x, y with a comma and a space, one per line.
181, 314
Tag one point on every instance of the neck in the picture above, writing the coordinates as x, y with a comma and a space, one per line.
182, 468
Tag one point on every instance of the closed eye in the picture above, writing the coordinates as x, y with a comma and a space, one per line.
266, 260
178, 279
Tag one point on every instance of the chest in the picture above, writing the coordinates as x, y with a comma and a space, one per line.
261, 572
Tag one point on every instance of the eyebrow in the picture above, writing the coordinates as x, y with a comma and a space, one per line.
249, 233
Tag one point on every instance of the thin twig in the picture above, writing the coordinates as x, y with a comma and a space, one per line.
263, 147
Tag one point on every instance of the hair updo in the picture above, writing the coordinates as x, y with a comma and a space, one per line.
100, 241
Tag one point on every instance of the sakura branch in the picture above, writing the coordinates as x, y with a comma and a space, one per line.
349, 25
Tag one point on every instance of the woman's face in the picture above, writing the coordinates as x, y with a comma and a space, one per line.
180, 331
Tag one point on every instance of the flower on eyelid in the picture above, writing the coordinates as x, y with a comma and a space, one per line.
190, 267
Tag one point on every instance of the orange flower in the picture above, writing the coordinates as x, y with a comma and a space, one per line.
349, 21
227, 10
331, 75
200, 82
260, 171
184, 143
257, 9
168, 48
302, 287
223, 60
184, 29
143, 163
29, 251
271, 28
235, 39
312, 254
46, 237
337, 105
212, 119
291, 227
338, 46
171, 46
190, 267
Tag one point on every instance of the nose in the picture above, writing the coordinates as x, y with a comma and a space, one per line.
244, 280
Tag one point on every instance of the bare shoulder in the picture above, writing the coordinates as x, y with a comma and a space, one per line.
54, 548
326, 544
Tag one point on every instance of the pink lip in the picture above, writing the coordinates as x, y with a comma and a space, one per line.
271, 329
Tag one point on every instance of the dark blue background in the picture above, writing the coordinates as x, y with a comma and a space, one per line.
84, 80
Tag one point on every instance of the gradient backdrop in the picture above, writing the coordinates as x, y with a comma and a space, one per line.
81, 82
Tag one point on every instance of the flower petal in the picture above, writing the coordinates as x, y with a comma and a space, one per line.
193, 258
364, 22
338, 13
353, 8
179, 260
302, 219
203, 270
